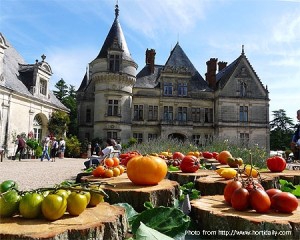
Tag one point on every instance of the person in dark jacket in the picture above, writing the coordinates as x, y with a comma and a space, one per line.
21, 146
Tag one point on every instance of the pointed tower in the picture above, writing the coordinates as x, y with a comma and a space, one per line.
106, 95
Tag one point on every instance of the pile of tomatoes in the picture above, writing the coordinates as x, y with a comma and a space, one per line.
50, 204
250, 194
110, 168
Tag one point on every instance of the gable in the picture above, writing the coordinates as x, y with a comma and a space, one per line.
242, 81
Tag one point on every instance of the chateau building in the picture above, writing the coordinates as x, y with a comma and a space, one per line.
170, 100
26, 103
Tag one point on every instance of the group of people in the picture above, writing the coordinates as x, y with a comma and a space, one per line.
56, 147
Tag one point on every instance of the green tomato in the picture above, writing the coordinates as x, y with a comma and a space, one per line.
30, 205
96, 198
9, 203
77, 203
8, 184
54, 207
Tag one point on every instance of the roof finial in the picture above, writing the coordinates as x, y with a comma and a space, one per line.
117, 9
243, 53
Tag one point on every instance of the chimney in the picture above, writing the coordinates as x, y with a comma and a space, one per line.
150, 59
211, 72
222, 65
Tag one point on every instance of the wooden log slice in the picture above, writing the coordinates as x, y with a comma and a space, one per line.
183, 178
214, 219
101, 222
162, 194
289, 175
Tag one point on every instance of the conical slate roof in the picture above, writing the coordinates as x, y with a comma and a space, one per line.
115, 40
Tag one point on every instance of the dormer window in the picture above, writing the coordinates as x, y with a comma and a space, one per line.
114, 63
43, 87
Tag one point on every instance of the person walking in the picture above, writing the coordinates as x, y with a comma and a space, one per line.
46, 142
295, 145
62, 148
21, 146
54, 148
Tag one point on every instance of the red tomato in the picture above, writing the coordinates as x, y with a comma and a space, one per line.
240, 199
230, 187
260, 200
189, 164
254, 185
178, 155
284, 202
276, 164
271, 192
207, 155
215, 155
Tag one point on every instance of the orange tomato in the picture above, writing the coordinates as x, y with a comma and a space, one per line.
122, 169
109, 162
108, 173
146, 170
116, 161
116, 172
223, 156
98, 171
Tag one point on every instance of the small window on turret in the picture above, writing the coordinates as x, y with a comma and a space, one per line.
114, 63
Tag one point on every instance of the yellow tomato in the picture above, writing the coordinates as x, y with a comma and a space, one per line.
254, 172
76, 203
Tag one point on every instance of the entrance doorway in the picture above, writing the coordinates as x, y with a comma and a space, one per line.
178, 136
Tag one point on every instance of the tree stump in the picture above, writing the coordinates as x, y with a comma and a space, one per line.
289, 175
162, 194
215, 219
101, 222
183, 178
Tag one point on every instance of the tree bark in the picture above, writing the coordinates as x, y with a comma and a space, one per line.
101, 222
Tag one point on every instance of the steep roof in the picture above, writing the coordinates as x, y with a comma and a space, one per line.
16, 80
115, 40
178, 59
146, 79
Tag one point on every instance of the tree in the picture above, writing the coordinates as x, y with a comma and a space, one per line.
281, 130
67, 95
62, 90
58, 123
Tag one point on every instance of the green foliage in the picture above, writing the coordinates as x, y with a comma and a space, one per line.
189, 188
38, 151
286, 186
281, 131
58, 123
33, 144
72, 147
84, 146
67, 95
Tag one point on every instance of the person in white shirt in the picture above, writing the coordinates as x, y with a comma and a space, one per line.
110, 143
62, 148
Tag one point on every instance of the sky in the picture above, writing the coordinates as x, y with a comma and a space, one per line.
71, 33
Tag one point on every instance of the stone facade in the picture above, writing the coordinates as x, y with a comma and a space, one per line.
170, 100
26, 103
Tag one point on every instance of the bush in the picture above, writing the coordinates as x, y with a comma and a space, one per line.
72, 147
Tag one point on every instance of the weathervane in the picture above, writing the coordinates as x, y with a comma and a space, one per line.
117, 9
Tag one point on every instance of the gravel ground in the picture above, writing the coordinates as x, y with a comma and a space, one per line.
32, 173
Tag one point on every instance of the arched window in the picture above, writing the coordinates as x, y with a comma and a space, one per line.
37, 127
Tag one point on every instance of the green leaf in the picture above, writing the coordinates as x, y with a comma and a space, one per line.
296, 191
169, 221
146, 233
148, 205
